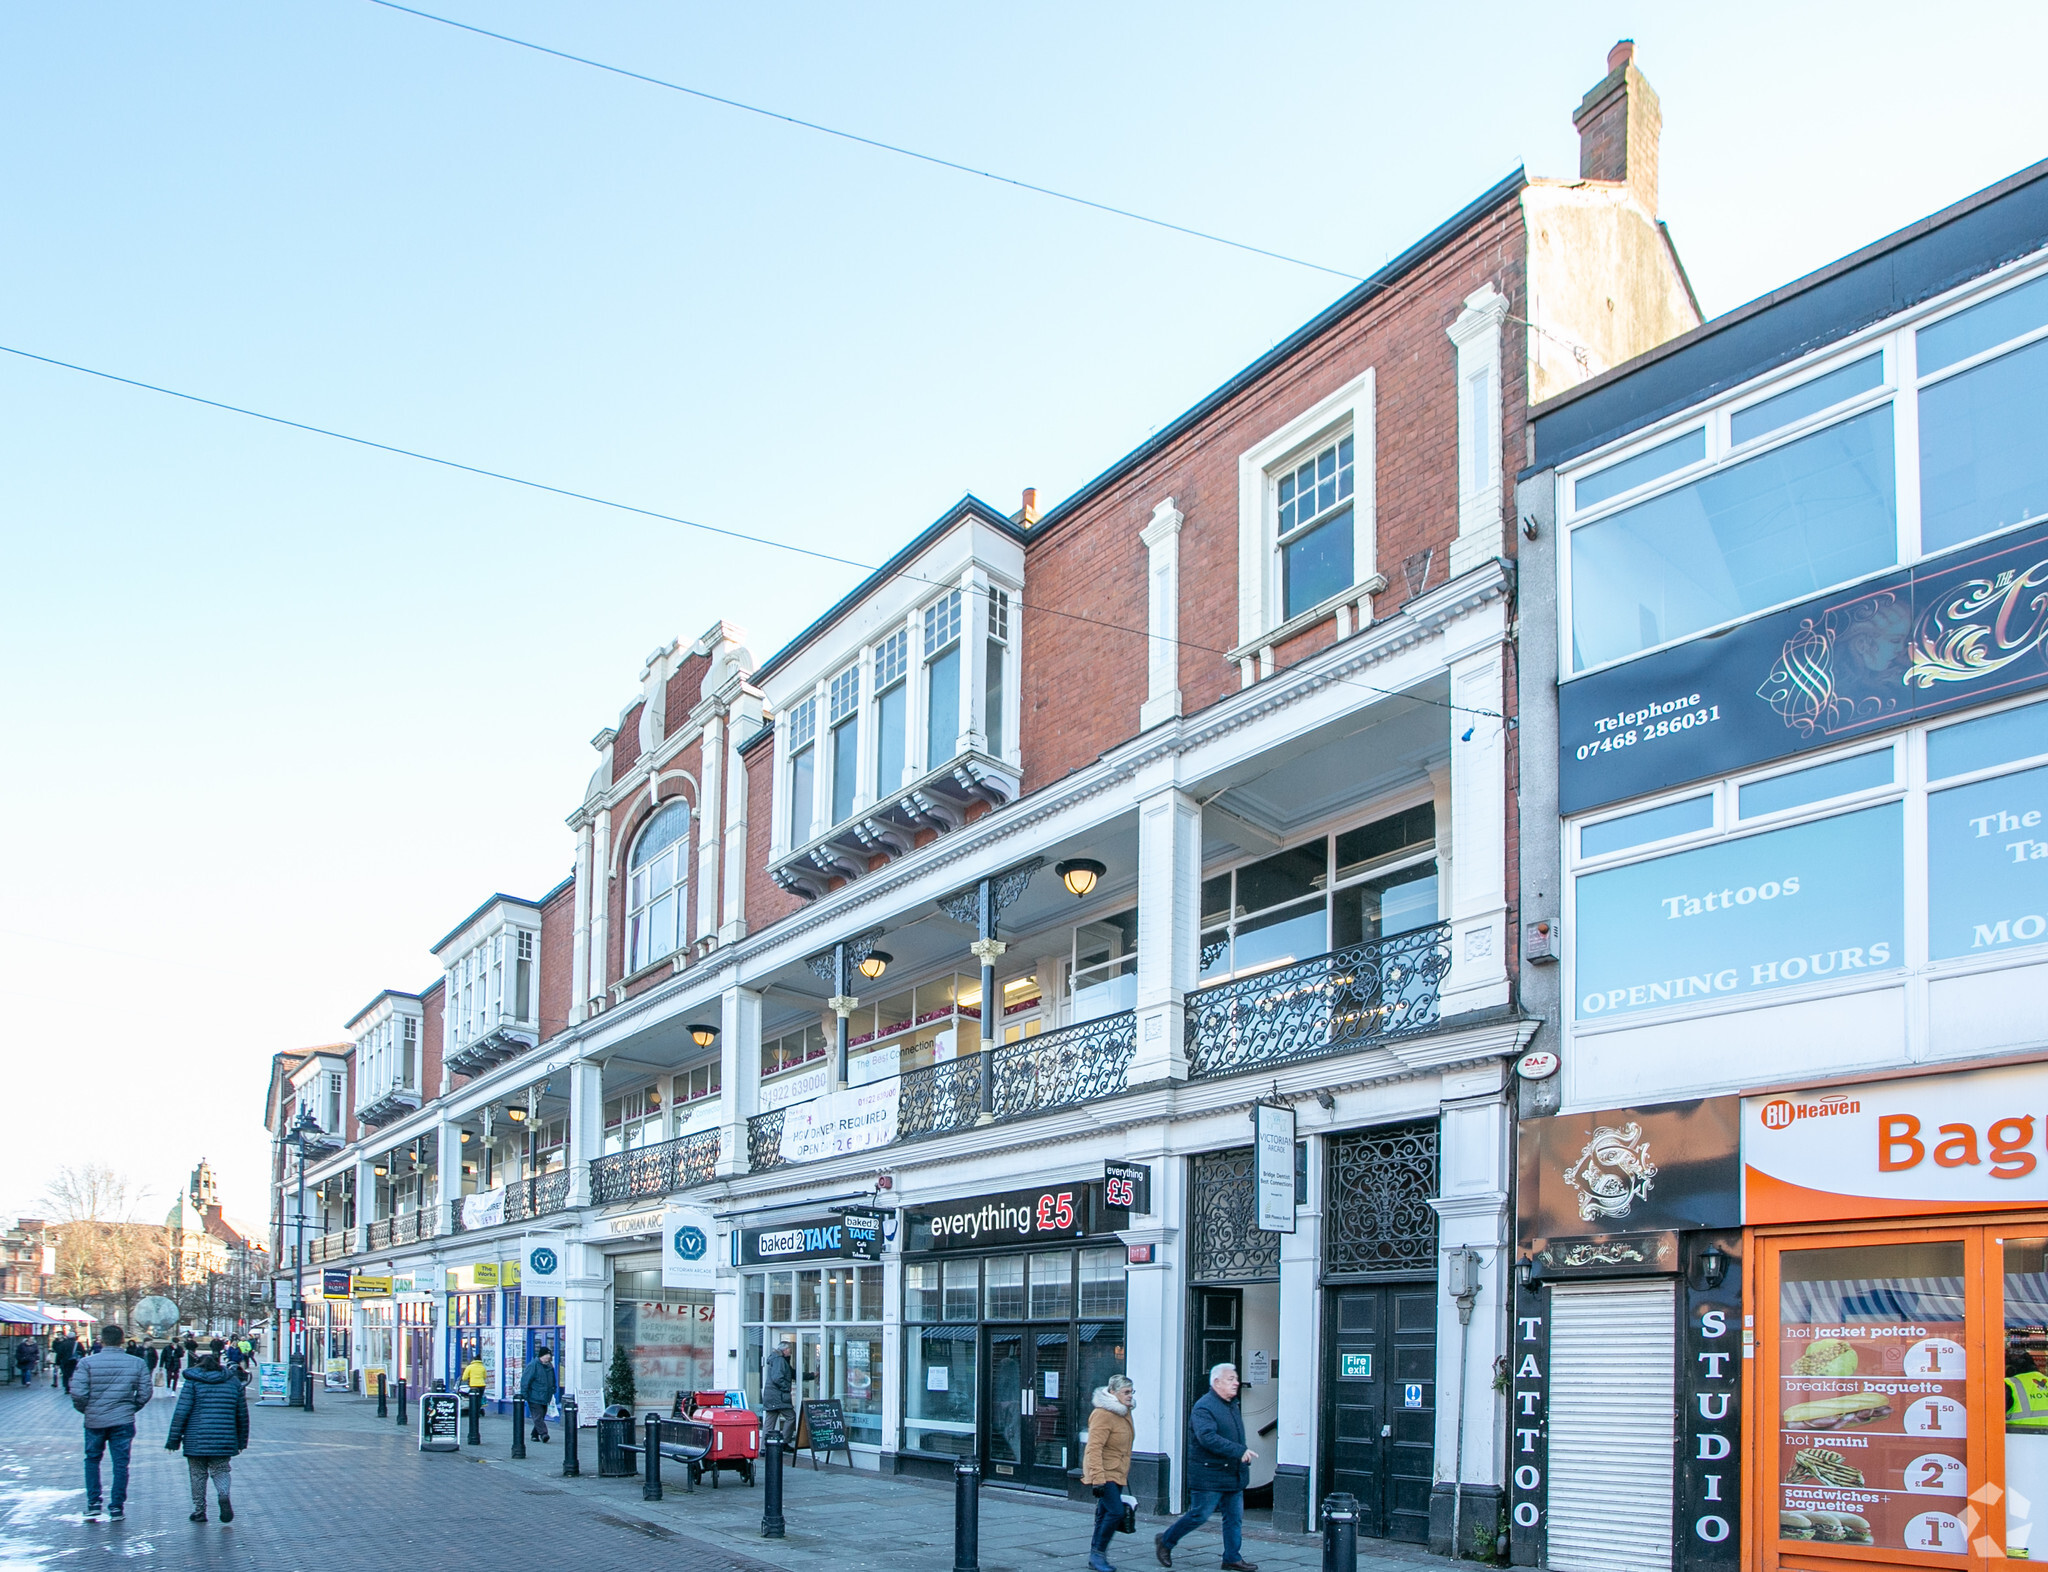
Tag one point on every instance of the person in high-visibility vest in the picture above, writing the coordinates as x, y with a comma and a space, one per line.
2026, 1392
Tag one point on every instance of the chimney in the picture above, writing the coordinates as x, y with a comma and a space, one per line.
1619, 122
1028, 514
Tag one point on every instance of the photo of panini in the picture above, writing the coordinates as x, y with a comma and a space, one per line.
1822, 1466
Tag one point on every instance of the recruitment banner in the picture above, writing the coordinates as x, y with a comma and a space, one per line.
483, 1211
856, 1119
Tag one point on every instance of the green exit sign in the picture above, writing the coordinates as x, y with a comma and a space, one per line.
1355, 1367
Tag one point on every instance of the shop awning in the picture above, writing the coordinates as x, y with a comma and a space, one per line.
28, 1315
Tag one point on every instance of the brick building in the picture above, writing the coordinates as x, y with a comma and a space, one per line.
1111, 834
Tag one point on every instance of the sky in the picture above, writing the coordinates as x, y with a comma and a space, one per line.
277, 711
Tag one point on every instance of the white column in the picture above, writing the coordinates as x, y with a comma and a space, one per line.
976, 606
710, 829
1169, 930
1299, 1376
1162, 620
892, 1354
583, 1318
579, 944
866, 743
448, 1159
1473, 1214
1156, 1312
743, 721
600, 903
366, 1201
586, 1126
1477, 334
739, 1074
1477, 907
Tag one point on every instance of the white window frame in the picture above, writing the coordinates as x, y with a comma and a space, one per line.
1349, 411
964, 619
1897, 338
678, 851
786, 838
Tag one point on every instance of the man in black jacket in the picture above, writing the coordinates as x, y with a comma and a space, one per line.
538, 1388
778, 1389
1218, 1470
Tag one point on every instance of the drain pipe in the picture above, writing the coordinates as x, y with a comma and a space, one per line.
1465, 1290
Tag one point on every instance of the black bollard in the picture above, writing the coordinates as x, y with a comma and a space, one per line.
1340, 1533
401, 1402
651, 1490
571, 1468
476, 1416
383, 1408
309, 1386
771, 1488
519, 1427
966, 1516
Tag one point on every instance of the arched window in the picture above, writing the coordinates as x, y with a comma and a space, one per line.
656, 890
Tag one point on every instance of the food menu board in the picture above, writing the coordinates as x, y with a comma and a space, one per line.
1873, 1420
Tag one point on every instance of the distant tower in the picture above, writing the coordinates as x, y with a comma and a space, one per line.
205, 1191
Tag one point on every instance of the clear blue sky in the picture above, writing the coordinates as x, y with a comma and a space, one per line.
277, 711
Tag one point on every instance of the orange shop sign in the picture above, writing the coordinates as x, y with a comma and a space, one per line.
1973, 1140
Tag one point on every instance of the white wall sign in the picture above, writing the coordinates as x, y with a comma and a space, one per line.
542, 1266
686, 1259
483, 1211
634, 1223
854, 1120
814, 1082
1273, 1156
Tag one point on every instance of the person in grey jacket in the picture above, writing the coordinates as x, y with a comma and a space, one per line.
778, 1389
538, 1388
211, 1422
109, 1388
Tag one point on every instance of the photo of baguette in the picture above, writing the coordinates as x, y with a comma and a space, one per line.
1831, 1413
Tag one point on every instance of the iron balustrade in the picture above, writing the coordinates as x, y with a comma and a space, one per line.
408, 1227
1327, 1004
380, 1233
329, 1247
1058, 1069
654, 1170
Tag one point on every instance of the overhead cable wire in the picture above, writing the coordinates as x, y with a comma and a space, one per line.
594, 500
866, 141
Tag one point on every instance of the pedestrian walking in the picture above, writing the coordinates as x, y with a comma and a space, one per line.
109, 1388
211, 1422
1218, 1470
68, 1353
150, 1357
1106, 1464
778, 1389
25, 1354
173, 1363
538, 1388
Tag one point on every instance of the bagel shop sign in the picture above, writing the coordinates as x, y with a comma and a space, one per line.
1911, 1145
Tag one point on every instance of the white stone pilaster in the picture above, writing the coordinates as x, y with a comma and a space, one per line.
710, 828
1476, 904
448, 1157
739, 1074
1301, 1299
1473, 1213
366, 1199
977, 606
743, 720
599, 977
586, 1126
1169, 930
1156, 1312
584, 1317
1162, 619
579, 942
1477, 335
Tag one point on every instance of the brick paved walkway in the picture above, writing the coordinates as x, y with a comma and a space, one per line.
338, 1490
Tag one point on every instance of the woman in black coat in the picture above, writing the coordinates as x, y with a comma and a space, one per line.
211, 1421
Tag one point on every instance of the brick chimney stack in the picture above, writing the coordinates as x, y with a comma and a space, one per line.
1028, 514
1619, 124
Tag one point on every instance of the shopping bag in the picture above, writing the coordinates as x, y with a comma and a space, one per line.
1128, 1523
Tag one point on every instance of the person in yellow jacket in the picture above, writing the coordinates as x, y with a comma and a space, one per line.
1106, 1464
2026, 1391
476, 1378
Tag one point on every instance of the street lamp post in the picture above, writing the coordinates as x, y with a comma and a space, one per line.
301, 1126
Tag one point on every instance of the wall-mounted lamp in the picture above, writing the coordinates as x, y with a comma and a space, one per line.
378, 1169
1713, 1266
516, 1113
1079, 874
874, 963
1325, 1099
465, 1138
702, 1034
1529, 1272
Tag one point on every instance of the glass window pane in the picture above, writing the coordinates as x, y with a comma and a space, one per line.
871, 1294
1984, 448
807, 1301
1287, 876
1807, 903
1837, 778
1397, 832
1652, 824
756, 1292
845, 767
853, 1362
1987, 865
939, 1391
1005, 1297
1216, 898
961, 1290
1785, 524
1992, 739
1316, 566
1106, 939
921, 1291
1102, 1283
779, 1296
1858, 1328
1983, 327
1381, 908
1291, 934
1809, 398
942, 713
1052, 1285
803, 775
889, 738
992, 698
1645, 467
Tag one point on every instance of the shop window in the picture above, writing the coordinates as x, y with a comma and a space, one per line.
1105, 966
1647, 827
832, 1313
1666, 458
666, 1332
1004, 1292
1023, 1002
2007, 737
939, 1377
632, 1119
1052, 1286
1982, 463
1824, 392
1102, 1283
694, 1086
1817, 783
792, 1050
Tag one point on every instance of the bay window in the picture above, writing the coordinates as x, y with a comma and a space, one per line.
992, 689
844, 697
942, 679
803, 769
892, 705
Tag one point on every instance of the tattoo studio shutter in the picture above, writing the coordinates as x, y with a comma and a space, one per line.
1611, 1423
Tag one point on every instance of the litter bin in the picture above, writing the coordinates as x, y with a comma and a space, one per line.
614, 1435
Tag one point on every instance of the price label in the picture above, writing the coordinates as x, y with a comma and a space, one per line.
1936, 1356
1936, 1474
1937, 1416
1936, 1531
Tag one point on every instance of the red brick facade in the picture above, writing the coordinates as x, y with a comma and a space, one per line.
557, 948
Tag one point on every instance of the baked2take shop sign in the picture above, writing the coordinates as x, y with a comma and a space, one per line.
1907, 1146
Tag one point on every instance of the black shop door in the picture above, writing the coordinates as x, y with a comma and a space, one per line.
1379, 1404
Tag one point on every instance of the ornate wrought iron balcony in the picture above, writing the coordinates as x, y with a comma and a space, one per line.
1059, 1069
1327, 1004
410, 1227
654, 1170
534, 1196
380, 1233
330, 1247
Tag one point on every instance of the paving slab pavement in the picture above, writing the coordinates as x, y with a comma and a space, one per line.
338, 1490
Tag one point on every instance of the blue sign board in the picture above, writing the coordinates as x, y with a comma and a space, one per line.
1918, 642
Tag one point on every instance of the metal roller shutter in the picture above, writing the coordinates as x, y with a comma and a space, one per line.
1611, 1425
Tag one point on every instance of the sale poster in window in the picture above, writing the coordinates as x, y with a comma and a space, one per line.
1872, 1430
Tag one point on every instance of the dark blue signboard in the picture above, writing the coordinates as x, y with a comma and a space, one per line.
1954, 631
